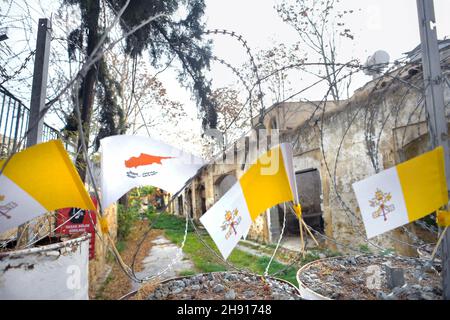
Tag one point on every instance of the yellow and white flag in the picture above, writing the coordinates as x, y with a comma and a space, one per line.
402, 194
39, 179
266, 183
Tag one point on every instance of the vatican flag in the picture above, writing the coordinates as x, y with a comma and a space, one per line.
133, 161
402, 194
268, 182
39, 179
228, 220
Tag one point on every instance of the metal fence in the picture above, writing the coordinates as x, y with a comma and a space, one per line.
14, 117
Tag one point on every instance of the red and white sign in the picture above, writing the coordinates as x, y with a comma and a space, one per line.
80, 221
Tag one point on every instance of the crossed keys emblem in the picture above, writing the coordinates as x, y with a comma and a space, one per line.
4, 209
232, 219
380, 203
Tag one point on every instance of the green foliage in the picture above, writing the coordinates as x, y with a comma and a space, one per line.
177, 33
99, 295
330, 253
187, 273
126, 217
310, 257
112, 118
365, 248
170, 223
142, 191
146, 190
121, 245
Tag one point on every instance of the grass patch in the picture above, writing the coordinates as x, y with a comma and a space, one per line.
99, 295
121, 245
204, 260
187, 273
126, 218
365, 248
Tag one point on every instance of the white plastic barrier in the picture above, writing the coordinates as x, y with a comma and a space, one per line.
57, 271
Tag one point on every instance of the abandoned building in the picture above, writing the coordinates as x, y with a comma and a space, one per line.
335, 144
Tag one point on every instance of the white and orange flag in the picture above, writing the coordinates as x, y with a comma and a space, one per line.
133, 161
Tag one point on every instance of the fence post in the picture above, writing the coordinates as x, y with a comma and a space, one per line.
39, 88
37, 102
434, 102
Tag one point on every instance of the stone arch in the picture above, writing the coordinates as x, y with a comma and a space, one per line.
223, 183
200, 199
189, 207
180, 205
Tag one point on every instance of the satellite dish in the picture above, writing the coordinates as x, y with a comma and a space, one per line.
376, 63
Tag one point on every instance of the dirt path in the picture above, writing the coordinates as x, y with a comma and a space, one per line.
117, 283
162, 253
156, 253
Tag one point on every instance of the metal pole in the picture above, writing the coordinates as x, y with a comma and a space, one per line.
39, 88
37, 102
434, 101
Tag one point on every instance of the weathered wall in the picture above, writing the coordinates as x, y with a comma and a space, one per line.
340, 145
98, 265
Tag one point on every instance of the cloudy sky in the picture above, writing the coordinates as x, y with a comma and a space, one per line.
377, 24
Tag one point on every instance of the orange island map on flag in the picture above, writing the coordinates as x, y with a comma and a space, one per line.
37, 180
144, 160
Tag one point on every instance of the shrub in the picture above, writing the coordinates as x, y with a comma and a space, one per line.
126, 217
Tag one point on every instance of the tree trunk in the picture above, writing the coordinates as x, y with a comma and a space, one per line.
88, 85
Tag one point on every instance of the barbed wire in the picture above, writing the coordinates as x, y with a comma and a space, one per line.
7, 77
249, 53
333, 176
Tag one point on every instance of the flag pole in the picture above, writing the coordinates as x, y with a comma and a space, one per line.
434, 102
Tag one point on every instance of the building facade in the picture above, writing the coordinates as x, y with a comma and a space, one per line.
335, 144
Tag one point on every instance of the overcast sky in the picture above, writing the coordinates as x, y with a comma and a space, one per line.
390, 25
377, 24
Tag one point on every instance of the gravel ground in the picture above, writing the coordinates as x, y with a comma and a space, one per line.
224, 286
365, 278
426, 251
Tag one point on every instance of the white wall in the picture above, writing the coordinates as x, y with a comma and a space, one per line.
38, 273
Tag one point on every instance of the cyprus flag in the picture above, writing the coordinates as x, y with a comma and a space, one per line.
133, 161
